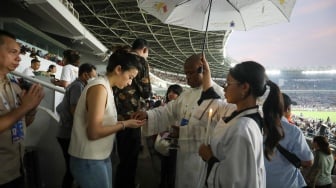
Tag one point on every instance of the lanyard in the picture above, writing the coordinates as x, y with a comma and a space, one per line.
4, 100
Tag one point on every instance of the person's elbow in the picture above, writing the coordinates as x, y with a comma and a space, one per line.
307, 163
92, 134
62, 83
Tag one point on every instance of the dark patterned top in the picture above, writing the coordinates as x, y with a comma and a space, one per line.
132, 98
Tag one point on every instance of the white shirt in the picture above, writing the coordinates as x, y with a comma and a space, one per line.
188, 163
238, 145
69, 73
28, 71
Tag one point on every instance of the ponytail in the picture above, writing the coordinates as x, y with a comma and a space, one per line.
273, 110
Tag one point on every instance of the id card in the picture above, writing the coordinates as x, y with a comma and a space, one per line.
17, 132
184, 122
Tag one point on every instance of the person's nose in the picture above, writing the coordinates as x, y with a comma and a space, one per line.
18, 58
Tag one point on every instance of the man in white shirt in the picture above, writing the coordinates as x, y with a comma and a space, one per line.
34, 66
70, 70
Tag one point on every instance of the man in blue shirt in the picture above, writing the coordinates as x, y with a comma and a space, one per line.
280, 173
66, 110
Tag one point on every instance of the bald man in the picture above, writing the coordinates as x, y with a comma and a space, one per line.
180, 112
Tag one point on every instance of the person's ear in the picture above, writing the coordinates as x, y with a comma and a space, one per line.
118, 70
246, 88
86, 75
145, 50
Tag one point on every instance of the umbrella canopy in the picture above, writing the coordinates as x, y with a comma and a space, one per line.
225, 14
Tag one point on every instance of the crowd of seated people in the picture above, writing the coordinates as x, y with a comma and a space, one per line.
33, 53
309, 84
316, 127
321, 101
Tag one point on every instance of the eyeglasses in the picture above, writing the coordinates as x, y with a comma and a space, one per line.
227, 84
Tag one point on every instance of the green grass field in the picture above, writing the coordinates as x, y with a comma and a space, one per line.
317, 114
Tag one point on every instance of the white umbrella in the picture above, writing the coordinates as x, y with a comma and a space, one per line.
225, 14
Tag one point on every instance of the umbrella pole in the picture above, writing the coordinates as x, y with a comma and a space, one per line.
206, 28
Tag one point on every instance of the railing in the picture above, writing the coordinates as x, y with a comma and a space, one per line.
43, 83
70, 7
51, 99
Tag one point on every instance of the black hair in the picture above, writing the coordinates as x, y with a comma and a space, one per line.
86, 68
254, 74
50, 67
125, 60
4, 33
177, 89
157, 103
123, 47
139, 43
34, 61
323, 144
69, 52
286, 100
71, 57
273, 110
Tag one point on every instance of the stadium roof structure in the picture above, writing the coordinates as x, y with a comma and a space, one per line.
119, 22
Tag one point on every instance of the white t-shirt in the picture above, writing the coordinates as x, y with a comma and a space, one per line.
69, 73
28, 71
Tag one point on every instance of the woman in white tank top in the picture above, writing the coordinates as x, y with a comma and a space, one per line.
95, 123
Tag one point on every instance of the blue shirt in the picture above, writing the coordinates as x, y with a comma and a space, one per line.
71, 96
280, 173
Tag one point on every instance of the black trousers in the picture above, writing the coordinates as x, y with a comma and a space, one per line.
128, 147
168, 169
68, 178
324, 186
16, 183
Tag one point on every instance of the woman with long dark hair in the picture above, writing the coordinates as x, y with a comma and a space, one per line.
235, 156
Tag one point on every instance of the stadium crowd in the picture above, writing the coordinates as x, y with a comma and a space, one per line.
311, 128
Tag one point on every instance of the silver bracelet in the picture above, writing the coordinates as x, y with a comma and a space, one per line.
123, 125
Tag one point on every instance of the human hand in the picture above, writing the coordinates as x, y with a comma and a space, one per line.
53, 80
205, 64
134, 123
139, 115
205, 152
31, 99
206, 73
